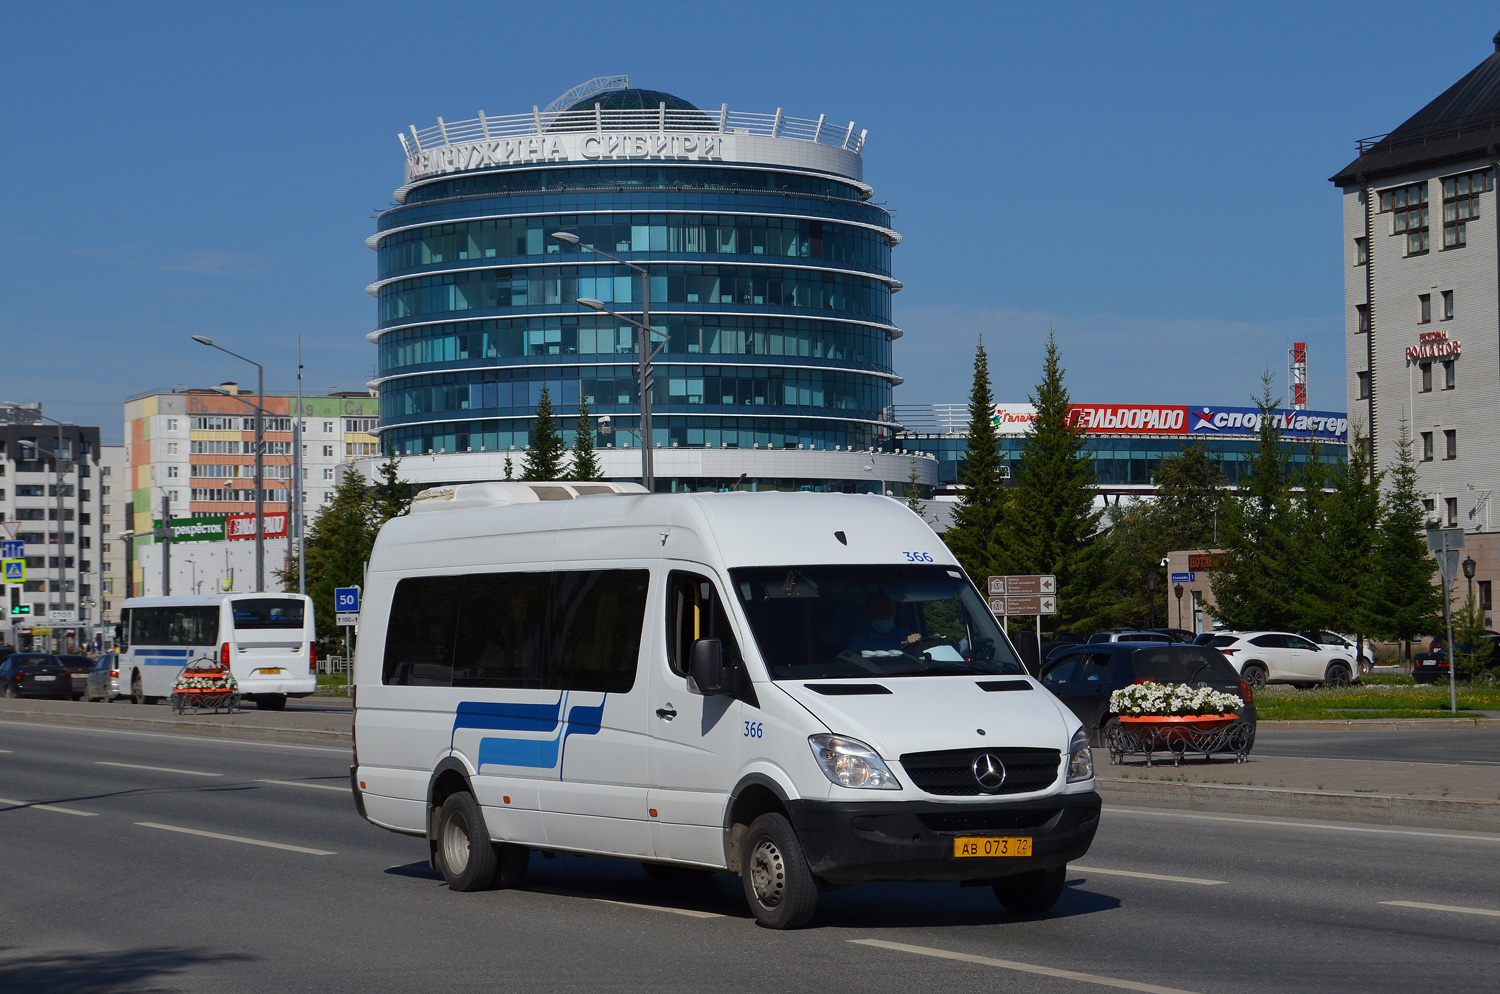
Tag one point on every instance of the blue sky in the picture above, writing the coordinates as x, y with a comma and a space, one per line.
1149, 179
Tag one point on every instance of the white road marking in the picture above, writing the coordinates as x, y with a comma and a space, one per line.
314, 786
234, 838
1320, 825
49, 807
1443, 907
1075, 868
7, 751
1005, 964
685, 912
159, 769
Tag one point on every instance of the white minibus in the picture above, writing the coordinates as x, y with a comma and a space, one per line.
267, 640
801, 689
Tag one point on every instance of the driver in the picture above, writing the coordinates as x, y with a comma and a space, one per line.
881, 632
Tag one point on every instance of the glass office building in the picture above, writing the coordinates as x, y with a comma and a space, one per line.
770, 290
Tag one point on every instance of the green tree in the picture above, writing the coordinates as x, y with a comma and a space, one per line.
585, 463
1407, 601
1309, 607
983, 500
391, 496
544, 459
338, 547
1475, 652
510, 468
914, 490
1189, 499
1346, 560
1055, 526
1251, 589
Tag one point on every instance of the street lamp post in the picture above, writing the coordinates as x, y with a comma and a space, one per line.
1470, 567
260, 486
1151, 582
647, 351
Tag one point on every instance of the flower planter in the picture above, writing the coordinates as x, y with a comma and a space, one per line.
1166, 726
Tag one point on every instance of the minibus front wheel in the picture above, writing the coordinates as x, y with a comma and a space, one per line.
779, 886
465, 856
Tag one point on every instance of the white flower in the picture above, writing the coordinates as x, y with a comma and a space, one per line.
1153, 698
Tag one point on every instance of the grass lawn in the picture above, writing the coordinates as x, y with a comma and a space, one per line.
333, 683
1377, 697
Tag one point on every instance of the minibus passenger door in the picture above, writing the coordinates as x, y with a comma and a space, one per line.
696, 738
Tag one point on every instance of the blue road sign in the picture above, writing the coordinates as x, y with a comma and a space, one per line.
1184, 577
346, 600
15, 571
12, 550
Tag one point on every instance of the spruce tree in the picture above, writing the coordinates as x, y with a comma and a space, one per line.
510, 468
1407, 600
982, 498
585, 463
1251, 588
1189, 499
338, 546
914, 490
1310, 608
544, 459
1055, 526
1346, 560
391, 497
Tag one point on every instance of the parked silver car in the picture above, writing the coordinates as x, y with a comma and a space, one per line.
104, 679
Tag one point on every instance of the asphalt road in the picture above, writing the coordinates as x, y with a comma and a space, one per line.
106, 884
1464, 746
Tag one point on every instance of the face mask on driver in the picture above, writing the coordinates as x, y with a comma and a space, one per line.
883, 626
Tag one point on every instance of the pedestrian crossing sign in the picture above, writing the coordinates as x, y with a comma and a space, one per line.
15, 570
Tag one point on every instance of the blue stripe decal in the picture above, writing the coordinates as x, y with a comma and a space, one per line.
163, 652
535, 753
506, 717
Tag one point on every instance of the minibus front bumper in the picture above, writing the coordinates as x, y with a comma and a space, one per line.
850, 842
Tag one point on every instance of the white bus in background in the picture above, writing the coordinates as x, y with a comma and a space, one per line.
267, 640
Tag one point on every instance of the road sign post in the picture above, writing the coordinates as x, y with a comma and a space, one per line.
15, 571
1445, 544
346, 606
1023, 594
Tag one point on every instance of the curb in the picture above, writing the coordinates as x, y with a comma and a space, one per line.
1315, 805
1376, 724
262, 733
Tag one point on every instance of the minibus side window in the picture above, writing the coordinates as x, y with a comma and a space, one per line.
595, 624
694, 611
420, 635
122, 632
500, 631
174, 626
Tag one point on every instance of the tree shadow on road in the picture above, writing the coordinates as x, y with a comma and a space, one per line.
101, 972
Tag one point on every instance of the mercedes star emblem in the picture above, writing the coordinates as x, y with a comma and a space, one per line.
989, 771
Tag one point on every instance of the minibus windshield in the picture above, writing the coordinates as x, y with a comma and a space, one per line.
816, 622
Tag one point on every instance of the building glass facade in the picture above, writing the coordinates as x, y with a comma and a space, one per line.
769, 277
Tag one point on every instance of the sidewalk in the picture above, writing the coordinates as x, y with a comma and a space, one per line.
315, 721
1427, 795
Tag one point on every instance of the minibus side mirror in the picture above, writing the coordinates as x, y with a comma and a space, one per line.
706, 667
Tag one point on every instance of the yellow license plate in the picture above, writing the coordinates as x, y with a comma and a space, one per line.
989, 845
270, 669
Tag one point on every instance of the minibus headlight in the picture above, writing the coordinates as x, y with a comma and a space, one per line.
850, 763
1080, 759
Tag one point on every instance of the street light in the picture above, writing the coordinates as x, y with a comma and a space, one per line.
260, 489
647, 352
1151, 582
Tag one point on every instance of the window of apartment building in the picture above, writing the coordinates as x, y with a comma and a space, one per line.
222, 422
1362, 317
1426, 368
1408, 207
1450, 508
328, 496
328, 474
1450, 374
104, 548
1427, 447
1424, 308
1447, 305
85, 543
362, 425
1486, 600
328, 450
1361, 252
171, 472
328, 427
1363, 380
104, 471
171, 424
172, 496
1461, 203
171, 448
1450, 444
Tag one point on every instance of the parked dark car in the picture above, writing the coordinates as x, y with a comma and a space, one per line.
35, 674
79, 667
1179, 635
1084, 678
104, 679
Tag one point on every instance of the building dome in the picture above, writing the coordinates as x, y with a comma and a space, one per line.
632, 99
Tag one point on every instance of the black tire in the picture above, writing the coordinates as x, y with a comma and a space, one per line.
512, 862
1099, 739
1255, 675
466, 857
1032, 892
11, 690
671, 873
271, 702
779, 885
1338, 676
137, 693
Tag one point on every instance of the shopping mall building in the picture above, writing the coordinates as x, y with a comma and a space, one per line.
770, 290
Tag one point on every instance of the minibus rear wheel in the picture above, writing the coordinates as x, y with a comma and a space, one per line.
271, 702
779, 885
465, 854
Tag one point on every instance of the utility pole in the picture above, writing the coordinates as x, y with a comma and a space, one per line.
297, 474
164, 533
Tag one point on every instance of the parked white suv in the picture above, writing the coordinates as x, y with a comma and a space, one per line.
1281, 657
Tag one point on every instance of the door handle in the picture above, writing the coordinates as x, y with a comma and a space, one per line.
667, 713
